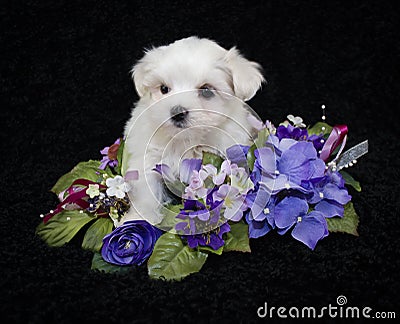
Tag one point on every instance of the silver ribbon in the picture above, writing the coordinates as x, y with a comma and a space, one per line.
350, 157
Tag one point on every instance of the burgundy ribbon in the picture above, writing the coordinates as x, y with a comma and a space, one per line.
337, 137
74, 197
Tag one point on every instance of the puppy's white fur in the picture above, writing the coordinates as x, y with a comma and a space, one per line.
211, 124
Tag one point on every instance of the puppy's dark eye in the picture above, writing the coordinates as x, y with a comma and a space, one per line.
164, 89
207, 91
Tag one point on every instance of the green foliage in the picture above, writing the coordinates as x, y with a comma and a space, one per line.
99, 264
93, 239
317, 129
84, 170
211, 158
237, 239
62, 227
349, 180
208, 249
172, 260
169, 220
347, 224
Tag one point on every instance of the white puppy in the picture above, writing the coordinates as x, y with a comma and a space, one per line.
192, 95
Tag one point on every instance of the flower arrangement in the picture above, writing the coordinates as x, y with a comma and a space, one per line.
290, 180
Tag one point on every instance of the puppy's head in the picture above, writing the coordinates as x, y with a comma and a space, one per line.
186, 80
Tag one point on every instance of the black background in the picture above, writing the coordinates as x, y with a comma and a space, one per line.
66, 93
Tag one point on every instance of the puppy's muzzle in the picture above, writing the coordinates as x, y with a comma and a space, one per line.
179, 116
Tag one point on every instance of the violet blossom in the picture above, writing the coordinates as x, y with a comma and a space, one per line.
110, 155
213, 239
130, 244
308, 227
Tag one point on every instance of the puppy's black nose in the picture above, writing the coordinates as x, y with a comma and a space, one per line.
178, 115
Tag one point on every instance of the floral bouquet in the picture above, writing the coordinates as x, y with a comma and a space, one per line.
291, 179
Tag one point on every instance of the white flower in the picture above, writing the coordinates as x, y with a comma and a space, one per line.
227, 168
271, 128
196, 186
234, 202
93, 190
241, 180
117, 187
296, 121
207, 170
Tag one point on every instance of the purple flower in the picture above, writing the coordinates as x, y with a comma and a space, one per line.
233, 200
260, 216
130, 244
199, 217
259, 125
110, 155
309, 228
286, 164
186, 169
299, 134
238, 154
212, 239
165, 171
317, 141
195, 209
196, 188
290, 131
329, 194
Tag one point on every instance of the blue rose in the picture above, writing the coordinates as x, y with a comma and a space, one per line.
130, 244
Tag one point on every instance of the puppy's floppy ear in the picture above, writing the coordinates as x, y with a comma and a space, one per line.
142, 70
138, 75
246, 75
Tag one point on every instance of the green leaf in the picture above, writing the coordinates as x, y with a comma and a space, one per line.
262, 137
347, 224
208, 249
172, 260
258, 143
251, 159
84, 170
320, 128
317, 129
99, 264
124, 159
238, 238
62, 227
211, 158
93, 239
349, 180
169, 220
